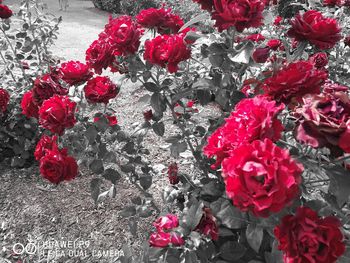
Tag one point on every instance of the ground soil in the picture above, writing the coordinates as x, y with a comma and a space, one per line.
32, 209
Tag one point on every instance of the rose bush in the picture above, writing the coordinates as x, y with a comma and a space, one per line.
275, 152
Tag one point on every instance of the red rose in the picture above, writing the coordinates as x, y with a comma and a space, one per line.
277, 20
112, 120
56, 166
160, 239
238, 13
322, 32
171, 24
45, 143
324, 119
4, 100
320, 59
167, 51
45, 87
100, 90
167, 222
75, 72
161, 19
252, 119
256, 37
208, 225
148, 115
261, 177
99, 55
274, 44
205, 4
261, 54
164, 235
151, 17
29, 107
347, 41
123, 34
294, 81
306, 237
5, 12
57, 113
331, 2
176, 240
173, 174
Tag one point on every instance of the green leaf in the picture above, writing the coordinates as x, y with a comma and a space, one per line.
91, 134
128, 211
213, 188
194, 215
232, 251
95, 189
339, 184
177, 148
96, 166
111, 175
254, 236
150, 86
133, 226
158, 128
229, 215
244, 54
196, 19
145, 181
158, 103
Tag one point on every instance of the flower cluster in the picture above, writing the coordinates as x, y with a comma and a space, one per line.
55, 164
165, 234
306, 237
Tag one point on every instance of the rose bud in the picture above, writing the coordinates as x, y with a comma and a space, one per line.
173, 174
260, 55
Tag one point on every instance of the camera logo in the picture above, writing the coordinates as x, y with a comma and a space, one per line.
20, 249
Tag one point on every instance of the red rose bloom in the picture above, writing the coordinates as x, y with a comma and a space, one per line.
100, 90
331, 2
207, 225
4, 100
347, 41
205, 4
45, 143
294, 81
29, 107
324, 120
46, 86
151, 17
75, 72
173, 174
320, 59
238, 13
112, 120
57, 113
5, 12
261, 54
56, 166
252, 119
322, 32
161, 19
123, 34
306, 237
148, 115
171, 24
164, 235
167, 222
99, 55
256, 37
167, 51
277, 20
274, 44
261, 177
160, 239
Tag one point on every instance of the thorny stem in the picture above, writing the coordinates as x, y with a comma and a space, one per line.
32, 31
183, 130
15, 54
13, 77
